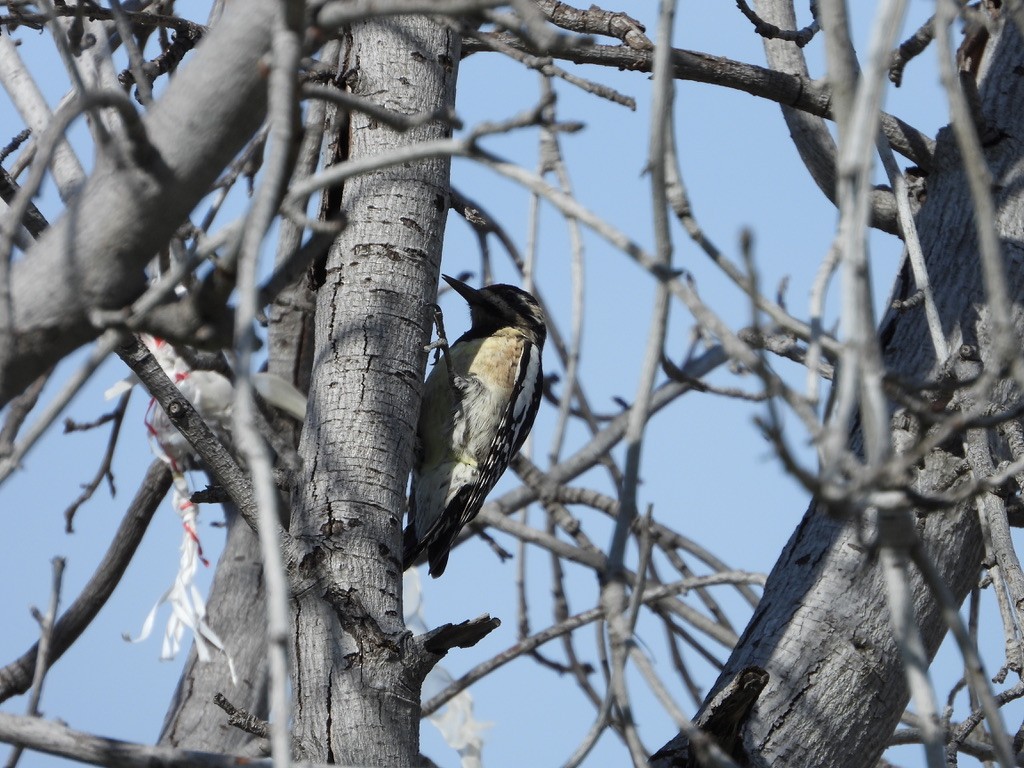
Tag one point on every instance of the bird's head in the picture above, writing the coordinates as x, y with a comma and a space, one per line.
502, 306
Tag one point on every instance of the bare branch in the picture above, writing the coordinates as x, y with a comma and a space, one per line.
123, 216
596, 21
463, 635
286, 50
337, 13
799, 36
239, 718
55, 738
652, 594
909, 49
798, 92
104, 471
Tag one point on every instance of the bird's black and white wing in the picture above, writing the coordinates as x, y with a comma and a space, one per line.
514, 426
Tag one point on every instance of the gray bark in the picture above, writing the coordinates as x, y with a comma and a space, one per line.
237, 610
356, 676
822, 631
237, 595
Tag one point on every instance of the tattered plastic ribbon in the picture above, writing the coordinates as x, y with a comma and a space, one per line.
188, 609
211, 394
459, 728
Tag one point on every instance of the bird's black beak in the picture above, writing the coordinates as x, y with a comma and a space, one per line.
468, 292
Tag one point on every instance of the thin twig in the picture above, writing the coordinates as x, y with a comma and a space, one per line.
1002, 561
104, 345
652, 594
286, 49
771, 32
18, 410
55, 738
14, 143
974, 670
43, 655
136, 63
551, 160
104, 471
352, 103
895, 568
601, 721
859, 389
544, 65
915, 254
712, 755
242, 719
661, 125
909, 49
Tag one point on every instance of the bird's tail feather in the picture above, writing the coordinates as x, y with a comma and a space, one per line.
411, 548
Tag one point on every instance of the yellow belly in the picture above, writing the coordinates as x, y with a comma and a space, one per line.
491, 363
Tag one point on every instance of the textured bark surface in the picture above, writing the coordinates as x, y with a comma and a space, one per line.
237, 601
356, 701
822, 629
237, 610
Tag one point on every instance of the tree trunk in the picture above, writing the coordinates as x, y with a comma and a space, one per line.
237, 601
822, 631
356, 693
237, 611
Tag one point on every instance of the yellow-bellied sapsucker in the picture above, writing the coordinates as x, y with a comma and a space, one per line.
466, 438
